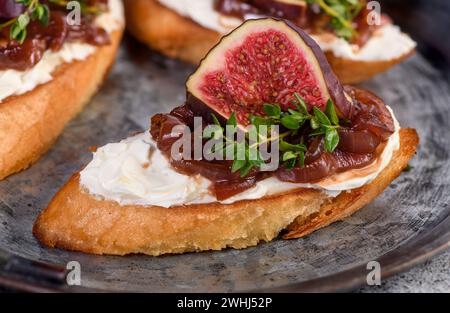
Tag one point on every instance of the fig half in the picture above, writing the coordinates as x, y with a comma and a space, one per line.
264, 61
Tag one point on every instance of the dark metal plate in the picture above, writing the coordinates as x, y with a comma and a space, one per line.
407, 224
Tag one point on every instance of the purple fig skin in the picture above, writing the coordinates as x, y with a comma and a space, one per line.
343, 106
10, 9
201, 109
335, 88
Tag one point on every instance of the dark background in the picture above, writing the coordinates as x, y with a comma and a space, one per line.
427, 21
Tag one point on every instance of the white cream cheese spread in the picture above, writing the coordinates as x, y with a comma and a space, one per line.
14, 82
135, 172
387, 43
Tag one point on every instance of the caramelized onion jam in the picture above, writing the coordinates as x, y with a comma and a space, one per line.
308, 16
363, 135
40, 38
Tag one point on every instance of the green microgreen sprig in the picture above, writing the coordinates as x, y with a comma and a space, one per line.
244, 164
342, 13
324, 124
37, 11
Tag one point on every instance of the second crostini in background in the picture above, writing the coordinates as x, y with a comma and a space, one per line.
358, 42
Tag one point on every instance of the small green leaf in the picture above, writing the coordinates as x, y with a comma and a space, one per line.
40, 11
232, 121
23, 20
290, 164
331, 139
317, 132
45, 17
22, 36
272, 110
301, 158
215, 120
258, 121
35, 14
245, 170
256, 163
290, 122
286, 146
18, 33
298, 116
321, 117
295, 113
289, 155
237, 165
301, 103
314, 124
331, 113
14, 31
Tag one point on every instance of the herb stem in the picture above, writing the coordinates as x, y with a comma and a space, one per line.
336, 15
322, 123
270, 139
38, 10
8, 23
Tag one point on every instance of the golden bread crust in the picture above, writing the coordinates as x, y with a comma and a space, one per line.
31, 122
179, 37
76, 220
348, 203
354, 71
168, 32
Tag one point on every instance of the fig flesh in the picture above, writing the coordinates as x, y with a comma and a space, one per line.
265, 61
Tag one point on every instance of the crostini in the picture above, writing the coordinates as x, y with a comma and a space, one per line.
53, 59
329, 150
357, 51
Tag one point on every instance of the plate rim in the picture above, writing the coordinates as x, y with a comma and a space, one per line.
418, 249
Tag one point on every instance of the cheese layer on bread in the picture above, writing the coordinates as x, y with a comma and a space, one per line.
135, 172
387, 43
14, 82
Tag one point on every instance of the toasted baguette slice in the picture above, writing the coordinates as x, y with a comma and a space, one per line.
31, 122
179, 37
76, 220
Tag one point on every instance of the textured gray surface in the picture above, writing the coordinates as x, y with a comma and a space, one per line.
431, 276
140, 86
